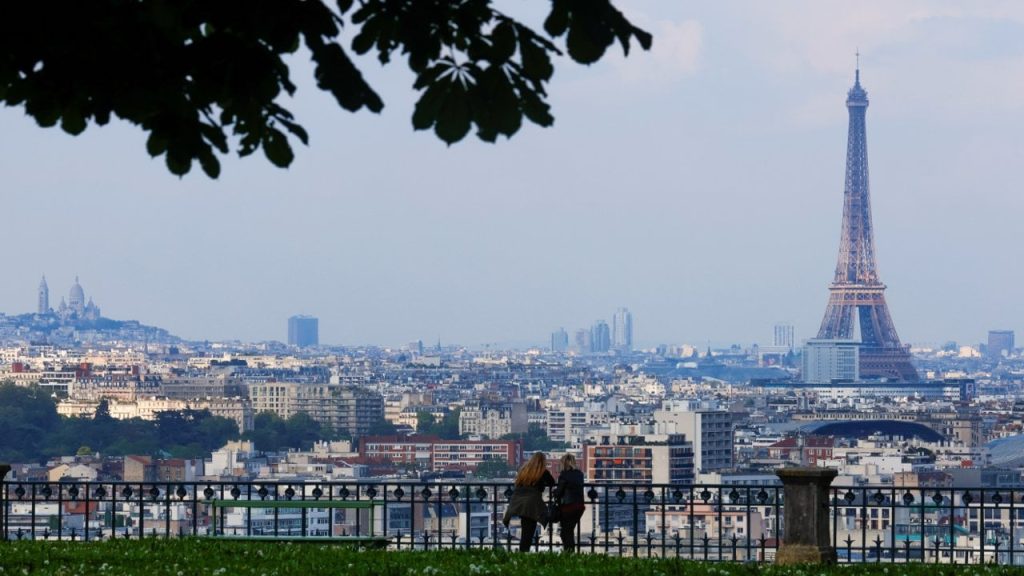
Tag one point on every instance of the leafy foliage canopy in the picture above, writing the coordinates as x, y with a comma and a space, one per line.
203, 77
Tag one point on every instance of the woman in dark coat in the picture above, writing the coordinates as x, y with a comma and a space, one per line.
528, 499
570, 496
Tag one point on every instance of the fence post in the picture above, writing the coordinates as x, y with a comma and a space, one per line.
4, 469
805, 511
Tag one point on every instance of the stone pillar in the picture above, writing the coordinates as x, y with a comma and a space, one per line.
4, 469
805, 509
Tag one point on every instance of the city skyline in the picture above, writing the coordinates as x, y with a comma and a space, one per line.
694, 171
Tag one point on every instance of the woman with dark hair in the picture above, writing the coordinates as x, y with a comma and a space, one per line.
528, 499
570, 496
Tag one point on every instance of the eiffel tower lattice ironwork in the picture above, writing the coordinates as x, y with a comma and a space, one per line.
856, 291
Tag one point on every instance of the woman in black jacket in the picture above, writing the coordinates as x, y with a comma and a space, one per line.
528, 499
569, 492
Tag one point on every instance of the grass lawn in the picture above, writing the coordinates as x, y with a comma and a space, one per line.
194, 557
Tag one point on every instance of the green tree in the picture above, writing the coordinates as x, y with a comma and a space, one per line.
447, 428
268, 431
272, 433
536, 440
383, 427
215, 431
27, 416
202, 77
33, 431
424, 421
302, 431
493, 468
102, 430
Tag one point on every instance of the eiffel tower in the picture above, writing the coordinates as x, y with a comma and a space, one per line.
856, 290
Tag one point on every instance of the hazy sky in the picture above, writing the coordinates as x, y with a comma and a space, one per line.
700, 185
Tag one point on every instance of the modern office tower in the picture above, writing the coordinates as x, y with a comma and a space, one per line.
303, 331
582, 341
825, 361
560, 341
783, 336
600, 337
999, 341
857, 294
44, 297
622, 330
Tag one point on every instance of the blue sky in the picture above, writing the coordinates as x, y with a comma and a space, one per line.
700, 185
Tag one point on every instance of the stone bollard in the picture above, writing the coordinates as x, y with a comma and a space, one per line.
4, 469
806, 539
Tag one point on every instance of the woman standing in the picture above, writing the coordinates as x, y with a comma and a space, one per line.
570, 495
528, 499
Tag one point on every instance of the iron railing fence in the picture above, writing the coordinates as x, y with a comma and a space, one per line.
928, 524
706, 522
889, 524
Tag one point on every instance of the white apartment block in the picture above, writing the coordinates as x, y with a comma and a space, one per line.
346, 408
709, 428
238, 409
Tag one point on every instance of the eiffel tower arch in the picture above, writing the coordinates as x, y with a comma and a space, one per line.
857, 296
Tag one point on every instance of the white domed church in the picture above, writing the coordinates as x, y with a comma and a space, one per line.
76, 308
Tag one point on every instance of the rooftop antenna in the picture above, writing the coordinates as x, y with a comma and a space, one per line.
857, 54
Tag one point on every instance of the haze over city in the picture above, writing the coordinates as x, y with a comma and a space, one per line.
699, 184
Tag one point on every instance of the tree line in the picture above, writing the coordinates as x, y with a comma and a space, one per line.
32, 431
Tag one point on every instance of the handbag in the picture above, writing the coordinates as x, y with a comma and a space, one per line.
553, 513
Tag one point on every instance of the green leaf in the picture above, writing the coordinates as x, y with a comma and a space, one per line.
535, 108
504, 42
101, 116
429, 105
178, 164
453, 120
558, 20
584, 47
363, 41
643, 37
483, 116
209, 163
295, 129
276, 148
336, 73
72, 121
214, 135
536, 61
503, 103
46, 114
156, 144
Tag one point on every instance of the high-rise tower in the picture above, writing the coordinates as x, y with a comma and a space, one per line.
856, 290
303, 331
44, 297
622, 330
